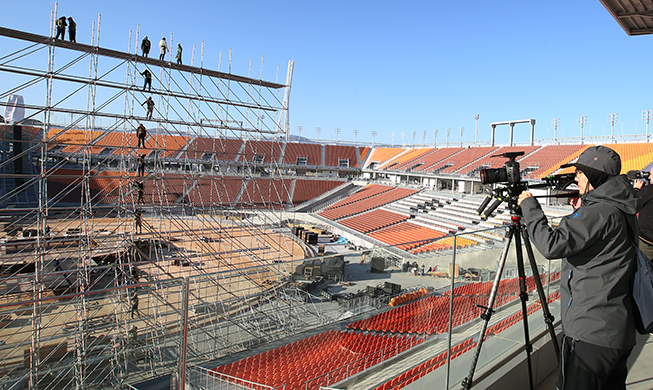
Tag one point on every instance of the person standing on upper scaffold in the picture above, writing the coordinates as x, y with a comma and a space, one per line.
145, 46
178, 56
163, 48
61, 28
72, 30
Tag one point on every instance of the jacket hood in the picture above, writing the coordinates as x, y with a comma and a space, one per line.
616, 191
599, 158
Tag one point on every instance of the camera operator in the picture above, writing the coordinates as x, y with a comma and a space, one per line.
645, 193
598, 262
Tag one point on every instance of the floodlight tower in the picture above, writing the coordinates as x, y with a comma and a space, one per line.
582, 120
318, 130
355, 137
476, 130
555, 122
435, 138
392, 136
448, 132
403, 139
424, 139
299, 132
612, 118
414, 138
462, 130
374, 137
337, 134
647, 115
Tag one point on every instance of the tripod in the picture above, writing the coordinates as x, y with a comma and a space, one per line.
516, 231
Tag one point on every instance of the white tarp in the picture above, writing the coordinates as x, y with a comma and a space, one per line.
15, 109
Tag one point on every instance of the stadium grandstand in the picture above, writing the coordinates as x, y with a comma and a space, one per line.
220, 253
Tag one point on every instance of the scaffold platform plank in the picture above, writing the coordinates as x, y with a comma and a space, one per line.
10, 33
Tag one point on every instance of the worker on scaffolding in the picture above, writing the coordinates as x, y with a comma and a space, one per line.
61, 28
148, 79
150, 107
141, 133
72, 30
140, 161
140, 190
163, 48
145, 46
135, 306
138, 221
178, 56
133, 333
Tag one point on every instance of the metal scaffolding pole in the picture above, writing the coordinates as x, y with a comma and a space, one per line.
110, 295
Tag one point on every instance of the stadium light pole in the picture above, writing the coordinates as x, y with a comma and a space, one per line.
355, 137
448, 132
299, 131
647, 116
374, 137
581, 122
414, 138
318, 130
555, 122
337, 134
476, 130
424, 139
392, 136
612, 118
462, 130
403, 139
435, 138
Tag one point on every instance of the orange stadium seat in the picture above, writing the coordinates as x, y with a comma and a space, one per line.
313, 153
306, 190
334, 153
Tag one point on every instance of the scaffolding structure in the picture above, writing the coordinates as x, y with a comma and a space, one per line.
118, 278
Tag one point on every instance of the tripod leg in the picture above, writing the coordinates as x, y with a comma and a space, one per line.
523, 295
548, 317
468, 381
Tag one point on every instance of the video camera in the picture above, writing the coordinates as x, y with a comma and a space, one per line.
638, 175
510, 175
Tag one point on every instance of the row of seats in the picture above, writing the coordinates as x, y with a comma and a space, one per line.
517, 317
369, 204
445, 243
547, 159
431, 159
334, 153
368, 191
374, 220
496, 162
312, 152
458, 161
404, 379
333, 356
219, 148
541, 162
64, 185
266, 193
408, 159
406, 235
430, 315
222, 149
306, 190
426, 316
382, 155
321, 359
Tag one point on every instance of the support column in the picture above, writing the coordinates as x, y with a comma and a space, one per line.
494, 128
532, 143
512, 133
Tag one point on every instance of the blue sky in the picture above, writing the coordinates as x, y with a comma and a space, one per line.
403, 67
